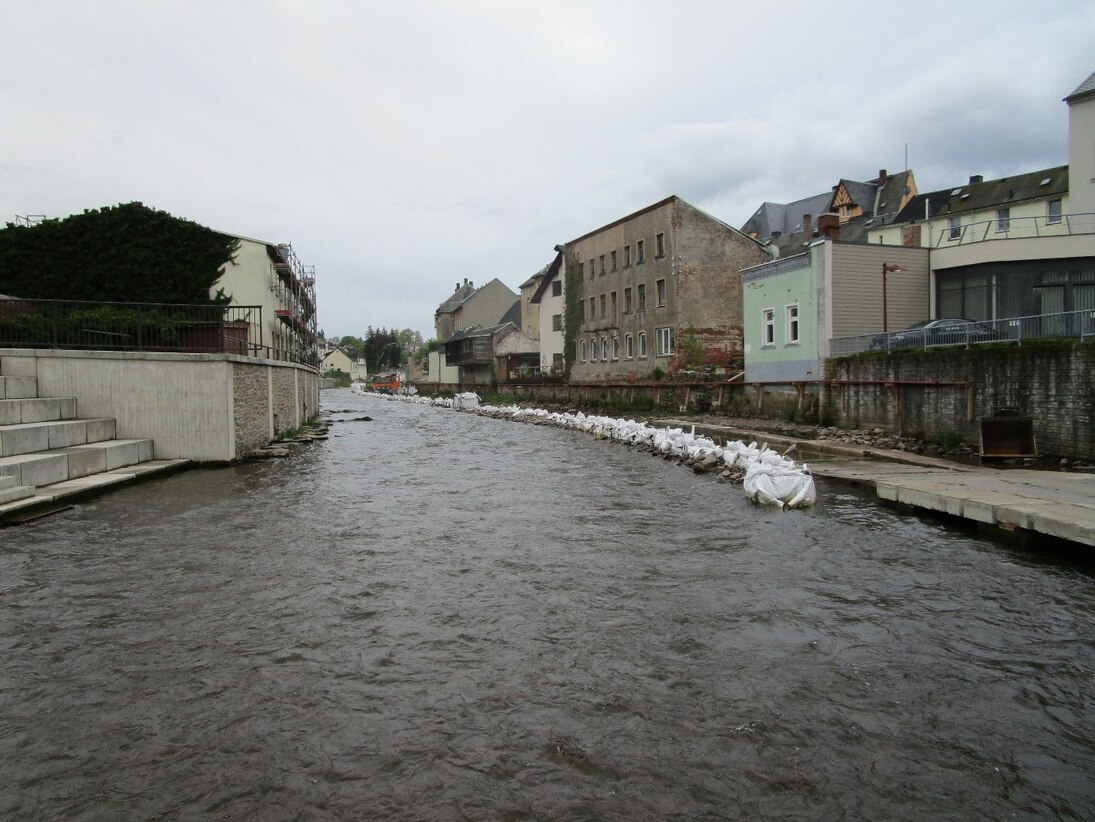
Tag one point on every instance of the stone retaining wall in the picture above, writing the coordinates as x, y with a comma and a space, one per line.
941, 393
924, 394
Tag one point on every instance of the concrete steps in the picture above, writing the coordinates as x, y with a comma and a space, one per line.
48, 453
14, 388
12, 491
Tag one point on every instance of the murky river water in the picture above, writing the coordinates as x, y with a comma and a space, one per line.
440, 616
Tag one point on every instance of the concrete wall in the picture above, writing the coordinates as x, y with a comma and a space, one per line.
1054, 384
204, 407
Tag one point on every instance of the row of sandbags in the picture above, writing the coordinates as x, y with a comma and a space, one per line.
770, 478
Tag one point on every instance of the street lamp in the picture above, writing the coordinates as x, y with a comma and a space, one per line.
886, 269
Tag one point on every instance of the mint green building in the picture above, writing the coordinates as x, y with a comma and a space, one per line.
795, 306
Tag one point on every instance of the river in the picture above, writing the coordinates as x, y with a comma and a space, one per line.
435, 615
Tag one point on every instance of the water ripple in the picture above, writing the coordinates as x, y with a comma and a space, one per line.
435, 616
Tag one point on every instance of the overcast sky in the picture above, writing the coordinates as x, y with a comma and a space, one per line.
403, 146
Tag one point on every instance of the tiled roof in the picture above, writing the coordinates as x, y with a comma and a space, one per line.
1086, 88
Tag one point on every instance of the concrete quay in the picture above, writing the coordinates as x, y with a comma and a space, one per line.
1050, 503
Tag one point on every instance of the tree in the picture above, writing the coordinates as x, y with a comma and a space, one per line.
691, 346
381, 349
122, 253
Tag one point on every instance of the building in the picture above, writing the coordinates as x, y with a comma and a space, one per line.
1016, 247
789, 227
472, 351
469, 306
550, 302
795, 305
272, 277
651, 277
530, 312
338, 359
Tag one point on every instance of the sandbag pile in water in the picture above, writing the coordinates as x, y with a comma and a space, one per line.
767, 477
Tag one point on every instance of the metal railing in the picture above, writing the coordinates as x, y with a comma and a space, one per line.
66, 324
1065, 325
1010, 228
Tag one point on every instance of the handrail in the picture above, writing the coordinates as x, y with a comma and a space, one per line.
1020, 227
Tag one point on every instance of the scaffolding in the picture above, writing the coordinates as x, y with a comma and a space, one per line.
295, 290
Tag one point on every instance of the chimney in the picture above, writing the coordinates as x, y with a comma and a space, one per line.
808, 226
976, 178
881, 176
828, 226
458, 285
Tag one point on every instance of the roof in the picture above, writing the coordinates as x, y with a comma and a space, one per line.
534, 279
1085, 89
1018, 188
513, 314
458, 296
478, 331
778, 219
552, 271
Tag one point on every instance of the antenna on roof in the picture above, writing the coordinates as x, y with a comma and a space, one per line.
906, 156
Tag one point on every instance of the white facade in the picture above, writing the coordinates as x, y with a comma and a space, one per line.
269, 276
1081, 147
552, 319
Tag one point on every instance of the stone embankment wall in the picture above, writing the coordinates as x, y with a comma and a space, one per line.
204, 407
941, 393
926, 394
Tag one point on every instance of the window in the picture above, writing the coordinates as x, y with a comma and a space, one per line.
641, 249
604, 306
629, 347
612, 305
1003, 219
581, 271
557, 362
642, 345
640, 297
604, 348
582, 311
613, 260
768, 326
792, 324
593, 308
661, 292
954, 224
556, 322
1053, 212
627, 300
557, 288
602, 259
592, 349
659, 245
582, 351
627, 256
664, 337
615, 348
592, 269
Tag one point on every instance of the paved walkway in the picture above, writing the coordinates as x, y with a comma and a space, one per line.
1054, 503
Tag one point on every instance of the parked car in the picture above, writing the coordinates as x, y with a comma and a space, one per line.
947, 331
